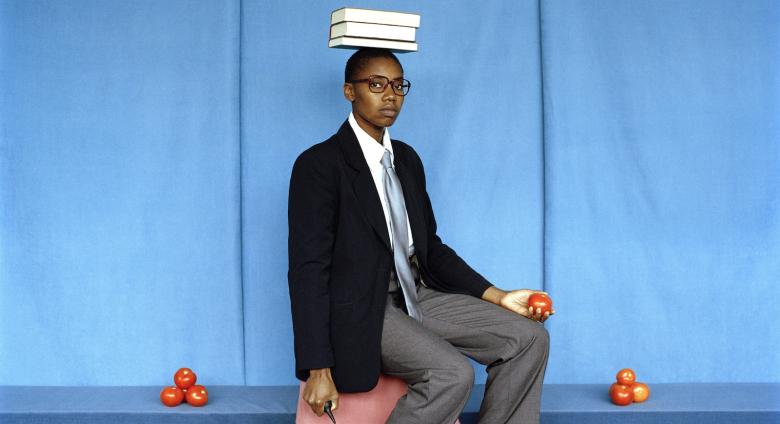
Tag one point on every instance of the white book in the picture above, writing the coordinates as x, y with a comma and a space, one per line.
360, 29
347, 42
371, 16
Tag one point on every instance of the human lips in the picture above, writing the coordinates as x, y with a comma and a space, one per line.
388, 111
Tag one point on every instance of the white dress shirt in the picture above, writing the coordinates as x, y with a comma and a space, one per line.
373, 152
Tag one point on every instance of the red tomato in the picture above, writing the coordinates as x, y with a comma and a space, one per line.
641, 392
184, 378
621, 394
540, 301
197, 395
185, 394
171, 396
626, 376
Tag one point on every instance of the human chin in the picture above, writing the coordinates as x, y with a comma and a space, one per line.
385, 119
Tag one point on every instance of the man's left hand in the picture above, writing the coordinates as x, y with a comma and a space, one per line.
516, 301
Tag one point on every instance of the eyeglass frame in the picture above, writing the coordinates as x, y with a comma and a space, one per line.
384, 86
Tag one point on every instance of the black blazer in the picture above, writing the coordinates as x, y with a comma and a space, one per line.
340, 257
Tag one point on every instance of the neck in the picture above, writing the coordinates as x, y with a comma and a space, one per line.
375, 132
378, 137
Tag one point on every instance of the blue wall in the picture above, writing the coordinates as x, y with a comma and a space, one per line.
119, 192
662, 150
623, 155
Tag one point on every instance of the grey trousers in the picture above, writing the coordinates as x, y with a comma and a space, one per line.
429, 356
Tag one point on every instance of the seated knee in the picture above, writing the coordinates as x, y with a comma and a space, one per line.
466, 375
529, 335
459, 377
542, 337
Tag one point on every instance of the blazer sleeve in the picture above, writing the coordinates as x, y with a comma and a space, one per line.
312, 208
443, 264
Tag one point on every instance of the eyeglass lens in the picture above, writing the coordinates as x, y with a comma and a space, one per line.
377, 84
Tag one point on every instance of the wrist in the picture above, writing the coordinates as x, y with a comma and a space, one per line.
320, 372
493, 295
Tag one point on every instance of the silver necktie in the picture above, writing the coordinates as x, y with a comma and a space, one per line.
395, 202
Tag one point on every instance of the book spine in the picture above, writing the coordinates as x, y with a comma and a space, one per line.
371, 42
375, 17
337, 16
358, 29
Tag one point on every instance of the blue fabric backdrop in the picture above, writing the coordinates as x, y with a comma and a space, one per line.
623, 155
662, 151
119, 192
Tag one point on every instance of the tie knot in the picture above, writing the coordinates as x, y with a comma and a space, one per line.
386, 161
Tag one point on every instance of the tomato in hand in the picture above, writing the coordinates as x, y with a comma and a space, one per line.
626, 377
621, 394
184, 378
197, 395
171, 396
641, 392
540, 301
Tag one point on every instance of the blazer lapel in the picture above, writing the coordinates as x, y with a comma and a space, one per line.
413, 205
362, 183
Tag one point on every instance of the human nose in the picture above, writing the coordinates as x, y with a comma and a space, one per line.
388, 93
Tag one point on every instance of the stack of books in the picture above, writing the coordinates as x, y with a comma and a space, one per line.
354, 28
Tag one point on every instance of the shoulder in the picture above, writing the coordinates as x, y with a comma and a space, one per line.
407, 154
319, 157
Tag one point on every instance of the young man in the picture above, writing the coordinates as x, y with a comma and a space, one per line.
373, 288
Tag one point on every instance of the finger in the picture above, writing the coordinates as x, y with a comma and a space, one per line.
335, 405
319, 407
317, 412
523, 312
310, 402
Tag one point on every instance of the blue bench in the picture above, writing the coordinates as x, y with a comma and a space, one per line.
561, 403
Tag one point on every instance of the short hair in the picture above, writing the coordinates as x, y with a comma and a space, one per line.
360, 58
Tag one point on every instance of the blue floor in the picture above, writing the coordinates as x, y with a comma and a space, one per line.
581, 404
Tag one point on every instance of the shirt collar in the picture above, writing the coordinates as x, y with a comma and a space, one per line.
372, 150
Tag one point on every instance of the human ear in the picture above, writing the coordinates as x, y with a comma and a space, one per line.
349, 92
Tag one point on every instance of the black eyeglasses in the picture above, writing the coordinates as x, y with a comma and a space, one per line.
378, 83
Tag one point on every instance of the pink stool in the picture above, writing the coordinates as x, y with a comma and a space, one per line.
372, 407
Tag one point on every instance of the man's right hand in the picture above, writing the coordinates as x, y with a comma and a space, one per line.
319, 389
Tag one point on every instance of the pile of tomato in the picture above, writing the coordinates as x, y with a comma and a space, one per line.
627, 390
185, 390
